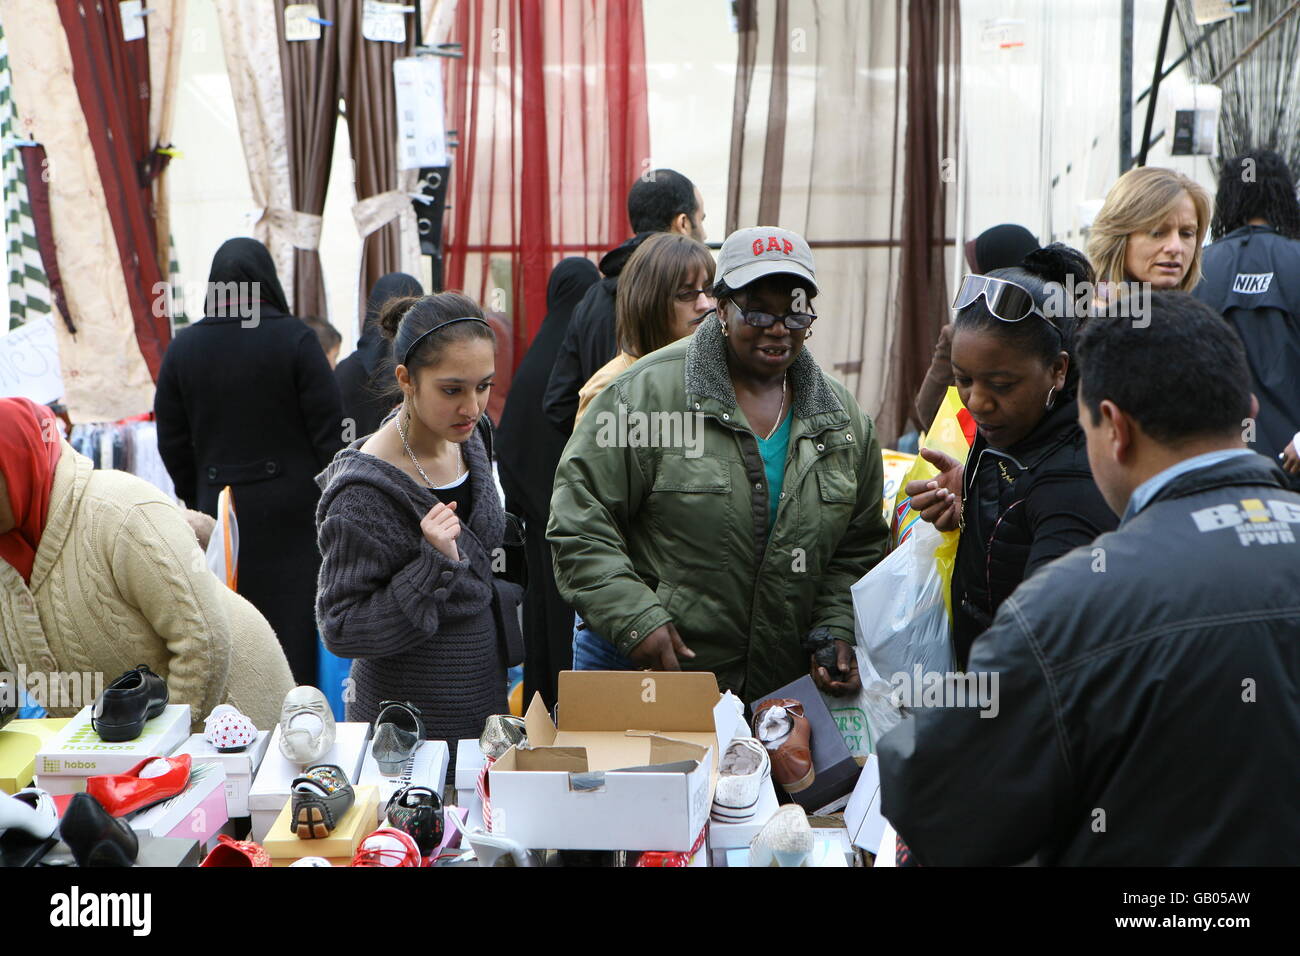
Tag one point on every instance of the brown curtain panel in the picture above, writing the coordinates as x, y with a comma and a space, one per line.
366, 71
929, 152
310, 71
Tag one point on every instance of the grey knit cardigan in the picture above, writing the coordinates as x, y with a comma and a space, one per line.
419, 626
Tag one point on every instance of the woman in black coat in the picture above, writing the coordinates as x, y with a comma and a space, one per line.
366, 376
528, 449
246, 398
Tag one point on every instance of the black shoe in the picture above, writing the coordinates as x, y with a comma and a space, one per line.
94, 837
322, 796
417, 811
399, 728
8, 701
121, 711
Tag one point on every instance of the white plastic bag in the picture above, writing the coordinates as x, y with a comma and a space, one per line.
901, 621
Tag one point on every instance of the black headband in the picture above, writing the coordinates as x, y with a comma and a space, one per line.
406, 357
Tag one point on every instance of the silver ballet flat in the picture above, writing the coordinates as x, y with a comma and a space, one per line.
307, 730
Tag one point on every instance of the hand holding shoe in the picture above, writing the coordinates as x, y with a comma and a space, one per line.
660, 650
838, 685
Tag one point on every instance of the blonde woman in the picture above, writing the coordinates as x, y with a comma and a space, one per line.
663, 293
1150, 231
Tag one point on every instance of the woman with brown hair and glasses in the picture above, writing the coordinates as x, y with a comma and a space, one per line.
663, 294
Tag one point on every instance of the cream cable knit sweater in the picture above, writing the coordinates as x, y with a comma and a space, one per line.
119, 580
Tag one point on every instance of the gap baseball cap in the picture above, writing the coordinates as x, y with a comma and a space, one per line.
749, 254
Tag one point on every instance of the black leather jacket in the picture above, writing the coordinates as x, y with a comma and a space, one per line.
1148, 698
1022, 508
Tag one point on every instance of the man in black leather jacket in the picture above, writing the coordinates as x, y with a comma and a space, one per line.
1148, 684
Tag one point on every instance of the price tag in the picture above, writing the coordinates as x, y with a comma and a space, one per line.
298, 24
385, 22
1002, 34
132, 22
421, 129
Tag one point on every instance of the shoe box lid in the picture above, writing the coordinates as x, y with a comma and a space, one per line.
630, 765
862, 816
77, 751
241, 764
20, 741
835, 769
358, 823
167, 851
427, 767
469, 761
196, 813
270, 790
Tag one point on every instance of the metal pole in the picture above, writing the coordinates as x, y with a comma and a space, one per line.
1165, 73
1155, 83
1126, 85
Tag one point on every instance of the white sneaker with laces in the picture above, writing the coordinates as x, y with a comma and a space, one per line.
745, 765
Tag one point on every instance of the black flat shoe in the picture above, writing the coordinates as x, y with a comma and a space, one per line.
126, 704
399, 728
94, 837
417, 811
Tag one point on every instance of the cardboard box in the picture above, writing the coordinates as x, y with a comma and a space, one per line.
20, 741
427, 767
727, 836
240, 767
835, 769
358, 823
270, 790
862, 815
630, 766
78, 752
196, 813
168, 852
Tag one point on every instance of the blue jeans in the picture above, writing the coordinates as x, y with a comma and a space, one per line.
591, 652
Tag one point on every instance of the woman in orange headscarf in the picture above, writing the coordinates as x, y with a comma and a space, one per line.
99, 572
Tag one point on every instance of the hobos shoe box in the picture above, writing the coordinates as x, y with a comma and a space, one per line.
629, 767
77, 752
239, 767
20, 741
359, 822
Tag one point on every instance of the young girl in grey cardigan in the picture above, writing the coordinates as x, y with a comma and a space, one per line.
408, 523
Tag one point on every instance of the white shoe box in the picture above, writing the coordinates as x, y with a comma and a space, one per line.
728, 836
274, 779
427, 767
240, 767
77, 752
469, 761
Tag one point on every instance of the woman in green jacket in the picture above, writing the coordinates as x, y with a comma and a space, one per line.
720, 497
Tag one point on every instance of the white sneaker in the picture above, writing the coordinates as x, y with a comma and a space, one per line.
786, 840
29, 811
745, 765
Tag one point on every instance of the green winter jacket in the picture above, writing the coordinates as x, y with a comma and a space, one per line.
664, 518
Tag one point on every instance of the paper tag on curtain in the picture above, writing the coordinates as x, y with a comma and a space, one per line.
132, 21
385, 21
299, 23
421, 128
29, 362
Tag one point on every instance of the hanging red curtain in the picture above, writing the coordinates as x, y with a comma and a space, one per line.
550, 108
112, 79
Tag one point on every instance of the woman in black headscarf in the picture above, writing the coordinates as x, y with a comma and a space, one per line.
528, 451
246, 398
365, 380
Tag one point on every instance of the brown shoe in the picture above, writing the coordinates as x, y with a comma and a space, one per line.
792, 765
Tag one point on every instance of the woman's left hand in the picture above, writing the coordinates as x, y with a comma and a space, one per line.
1290, 459
846, 660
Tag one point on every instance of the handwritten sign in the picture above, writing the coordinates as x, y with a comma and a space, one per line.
385, 22
29, 363
421, 129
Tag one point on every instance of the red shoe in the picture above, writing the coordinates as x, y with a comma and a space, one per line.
230, 852
388, 846
125, 793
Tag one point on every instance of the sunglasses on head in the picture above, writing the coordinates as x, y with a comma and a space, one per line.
1005, 300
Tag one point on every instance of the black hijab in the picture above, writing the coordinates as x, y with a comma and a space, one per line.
244, 261
528, 446
373, 350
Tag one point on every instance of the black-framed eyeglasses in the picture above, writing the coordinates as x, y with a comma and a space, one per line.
794, 321
1005, 300
690, 295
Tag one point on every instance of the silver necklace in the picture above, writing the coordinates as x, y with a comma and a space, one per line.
779, 415
416, 462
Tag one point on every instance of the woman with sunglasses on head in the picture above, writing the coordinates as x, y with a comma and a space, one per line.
1025, 495
729, 546
408, 523
663, 294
